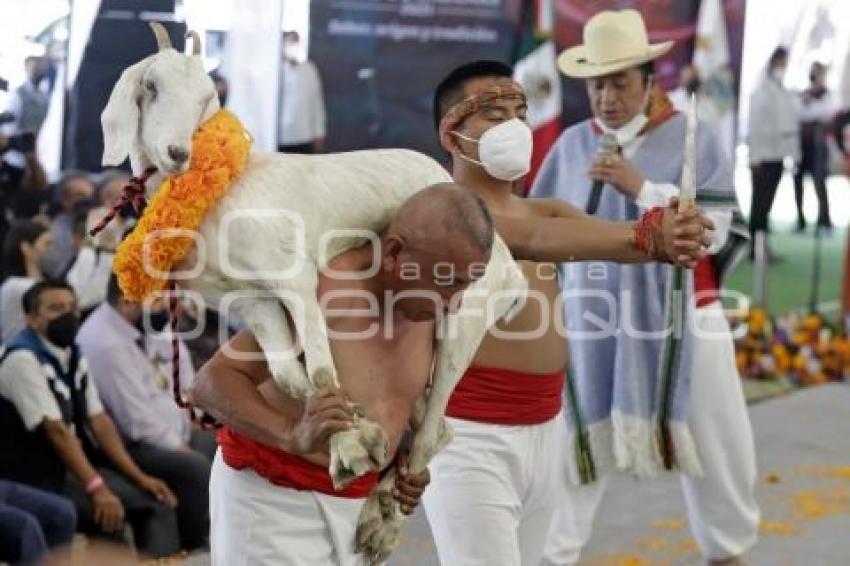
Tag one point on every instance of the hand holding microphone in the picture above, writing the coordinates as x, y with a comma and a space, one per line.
612, 168
607, 149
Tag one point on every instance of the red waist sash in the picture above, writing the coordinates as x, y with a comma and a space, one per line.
501, 396
285, 469
705, 282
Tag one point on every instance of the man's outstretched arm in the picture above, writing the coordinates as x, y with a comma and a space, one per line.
570, 235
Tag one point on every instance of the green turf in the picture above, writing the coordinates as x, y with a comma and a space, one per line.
789, 282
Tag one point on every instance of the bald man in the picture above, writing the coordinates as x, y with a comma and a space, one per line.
271, 497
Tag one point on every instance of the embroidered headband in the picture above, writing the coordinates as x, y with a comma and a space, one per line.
504, 88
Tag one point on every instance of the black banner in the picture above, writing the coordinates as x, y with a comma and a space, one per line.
380, 61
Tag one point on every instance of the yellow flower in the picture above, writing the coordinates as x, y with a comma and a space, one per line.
220, 150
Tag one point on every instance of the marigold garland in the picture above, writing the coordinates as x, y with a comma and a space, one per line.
220, 150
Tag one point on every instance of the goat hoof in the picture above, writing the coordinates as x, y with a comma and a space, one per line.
375, 441
369, 523
349, 459
383, 541
325, 378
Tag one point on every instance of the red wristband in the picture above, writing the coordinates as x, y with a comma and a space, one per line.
94, 484
647, 238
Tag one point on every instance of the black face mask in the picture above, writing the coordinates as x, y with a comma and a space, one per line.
62, 330
157, 321
693, 86
128, 210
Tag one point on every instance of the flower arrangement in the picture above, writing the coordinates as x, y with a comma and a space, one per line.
220, 150
805, 348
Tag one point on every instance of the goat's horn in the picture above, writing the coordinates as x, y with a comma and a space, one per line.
163, 41
196, 42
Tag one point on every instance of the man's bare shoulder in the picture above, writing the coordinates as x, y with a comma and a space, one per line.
243, 354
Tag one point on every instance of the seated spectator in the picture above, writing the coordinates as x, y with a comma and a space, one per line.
129, 354
25, 244
56, 435
74, 193
90, 268
32, 521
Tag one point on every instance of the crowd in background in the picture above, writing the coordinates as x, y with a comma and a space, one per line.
99, 446
93, 441
117, 457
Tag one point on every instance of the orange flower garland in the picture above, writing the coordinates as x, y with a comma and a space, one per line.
220, 150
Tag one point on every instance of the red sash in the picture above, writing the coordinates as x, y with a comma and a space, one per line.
285, 469
705, 282
501, 396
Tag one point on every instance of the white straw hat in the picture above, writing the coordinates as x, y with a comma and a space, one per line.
613, 41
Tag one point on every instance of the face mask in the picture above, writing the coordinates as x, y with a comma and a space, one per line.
157, 321
62, 330
778, 74
291, 52
505, 150
628, 131
631, 129
692, 86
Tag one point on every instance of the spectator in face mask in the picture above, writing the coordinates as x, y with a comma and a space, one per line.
302, 105
817, 108
23, 247
28, 106
56, 435
74, 193
774, 135
128, 348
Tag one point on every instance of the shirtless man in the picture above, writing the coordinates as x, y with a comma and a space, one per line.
385, 375
493, 489
271, 497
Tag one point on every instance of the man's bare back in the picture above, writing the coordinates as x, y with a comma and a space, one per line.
384, 363
545, 352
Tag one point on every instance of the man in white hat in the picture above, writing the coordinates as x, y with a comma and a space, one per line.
643, 399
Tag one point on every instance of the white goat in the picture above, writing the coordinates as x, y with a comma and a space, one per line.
151, 115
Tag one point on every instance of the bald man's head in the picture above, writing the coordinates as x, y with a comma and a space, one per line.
445, 214
437, 244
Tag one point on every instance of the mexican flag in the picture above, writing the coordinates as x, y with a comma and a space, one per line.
535, 69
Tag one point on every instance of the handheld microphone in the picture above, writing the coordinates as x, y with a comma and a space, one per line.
607, 146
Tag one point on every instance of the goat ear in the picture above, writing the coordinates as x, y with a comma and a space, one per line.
120, 118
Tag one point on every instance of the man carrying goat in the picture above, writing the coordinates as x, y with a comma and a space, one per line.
273, 497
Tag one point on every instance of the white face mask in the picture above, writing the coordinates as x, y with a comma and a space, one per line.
631, 129
291, 51
504, 150
778, 74
628, 131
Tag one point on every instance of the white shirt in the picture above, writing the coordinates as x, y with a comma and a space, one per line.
774, 125
89, 276
29, 106
659, 194
25, 383
302, 105
822, 109
11, 308
136, 385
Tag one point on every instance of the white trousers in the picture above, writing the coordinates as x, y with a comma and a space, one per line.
722, 510
492, 492
254, 522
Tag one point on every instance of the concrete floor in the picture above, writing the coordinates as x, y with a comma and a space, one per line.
803, 448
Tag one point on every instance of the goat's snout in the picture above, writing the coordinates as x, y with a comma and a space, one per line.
178, 154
